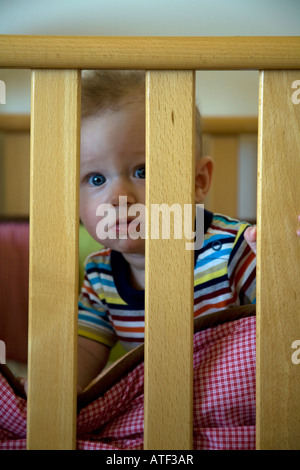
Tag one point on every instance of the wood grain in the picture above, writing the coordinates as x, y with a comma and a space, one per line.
55, 127
184, 53
169, 266
278, 277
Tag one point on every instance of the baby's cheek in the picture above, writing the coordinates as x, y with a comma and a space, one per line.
88, 215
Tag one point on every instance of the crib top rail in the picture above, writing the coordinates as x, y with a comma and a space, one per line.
181, 53
56, 96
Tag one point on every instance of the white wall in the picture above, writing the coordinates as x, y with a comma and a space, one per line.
155, 17
151, 17
218, 93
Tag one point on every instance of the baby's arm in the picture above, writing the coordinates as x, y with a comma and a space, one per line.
251, 236
92, 358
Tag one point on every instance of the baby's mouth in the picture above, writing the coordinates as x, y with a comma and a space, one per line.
127, 226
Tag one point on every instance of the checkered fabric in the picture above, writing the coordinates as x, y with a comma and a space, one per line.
224, 399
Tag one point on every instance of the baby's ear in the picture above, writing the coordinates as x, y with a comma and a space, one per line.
203, 176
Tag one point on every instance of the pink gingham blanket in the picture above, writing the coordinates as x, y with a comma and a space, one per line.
224, 399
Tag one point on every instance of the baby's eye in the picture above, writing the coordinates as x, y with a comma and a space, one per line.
140, 173
97, 180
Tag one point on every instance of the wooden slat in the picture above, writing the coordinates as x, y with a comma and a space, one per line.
188, 53
223, 194
228, 124
278, 296
55, 127
169, 266
14, 167
15, 122
210, 124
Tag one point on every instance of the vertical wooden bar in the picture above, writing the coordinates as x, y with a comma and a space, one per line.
169, 265
278, 299
225, 150
55, 136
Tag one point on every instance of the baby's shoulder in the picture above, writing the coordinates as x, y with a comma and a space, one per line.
225, 224
101, 257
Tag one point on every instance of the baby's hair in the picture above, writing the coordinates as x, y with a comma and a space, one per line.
112, 89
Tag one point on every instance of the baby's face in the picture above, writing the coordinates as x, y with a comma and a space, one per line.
113, 165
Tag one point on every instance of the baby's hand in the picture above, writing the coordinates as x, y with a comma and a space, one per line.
250, 237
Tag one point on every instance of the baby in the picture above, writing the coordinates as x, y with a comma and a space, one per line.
112, 174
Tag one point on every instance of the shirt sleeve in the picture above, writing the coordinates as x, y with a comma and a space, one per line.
93, 319
242, 269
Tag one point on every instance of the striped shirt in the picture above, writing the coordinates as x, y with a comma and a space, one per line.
110, 309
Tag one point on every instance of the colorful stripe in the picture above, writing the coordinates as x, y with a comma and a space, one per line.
225, 276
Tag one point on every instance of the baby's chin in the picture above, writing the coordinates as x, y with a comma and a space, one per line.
126, 246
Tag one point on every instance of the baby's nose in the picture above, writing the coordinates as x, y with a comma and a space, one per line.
122, 194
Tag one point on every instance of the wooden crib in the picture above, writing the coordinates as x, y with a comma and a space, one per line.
55, 134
